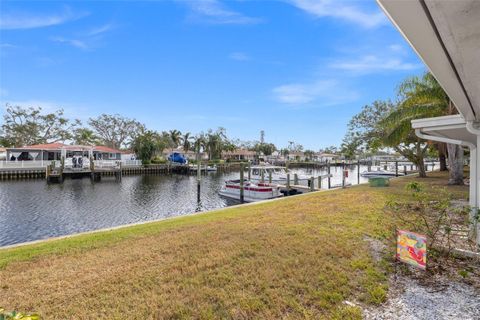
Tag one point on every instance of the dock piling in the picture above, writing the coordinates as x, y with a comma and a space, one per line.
288, 184
242, 168
329, 179
358, 171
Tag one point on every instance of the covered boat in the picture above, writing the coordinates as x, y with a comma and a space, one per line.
381, 173
251, 191
279, 174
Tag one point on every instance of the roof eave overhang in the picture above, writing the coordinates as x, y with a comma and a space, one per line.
448, 129
415, 23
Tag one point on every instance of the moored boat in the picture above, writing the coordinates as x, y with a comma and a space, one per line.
380, 173
251, 191
279, 174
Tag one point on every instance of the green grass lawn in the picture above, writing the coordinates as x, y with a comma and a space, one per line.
298, 257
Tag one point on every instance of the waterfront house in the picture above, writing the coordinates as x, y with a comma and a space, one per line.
3, 153
325, 157
57, 150
190, 154
296, 156
239, 155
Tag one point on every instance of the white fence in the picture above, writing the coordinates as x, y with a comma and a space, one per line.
25, 164
131, 163
44, 163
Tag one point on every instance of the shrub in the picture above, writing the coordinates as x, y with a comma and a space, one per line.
158, 160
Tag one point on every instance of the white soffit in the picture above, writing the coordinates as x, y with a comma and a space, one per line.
452, 127
446, 36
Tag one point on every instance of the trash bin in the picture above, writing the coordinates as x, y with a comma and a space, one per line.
379, 181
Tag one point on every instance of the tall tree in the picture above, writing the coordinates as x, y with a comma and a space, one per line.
149, 143
215, 142
115, 130
363, 131
380, 125
309, 154
85, 136
176, 137
398, 134
187, 142
26, 126
265, 148
423, 97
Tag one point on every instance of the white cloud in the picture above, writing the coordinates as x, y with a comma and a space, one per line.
239, 56
324, 92
7, 46
10, 21
73, 42
397, 48
100, 30
374, 63
341, 10
212, 11
86, 40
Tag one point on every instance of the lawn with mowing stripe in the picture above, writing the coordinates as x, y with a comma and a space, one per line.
298, 257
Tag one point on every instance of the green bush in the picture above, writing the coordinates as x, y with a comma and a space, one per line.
159, 160
145, 162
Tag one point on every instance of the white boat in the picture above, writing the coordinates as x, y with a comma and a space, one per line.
380, 173
194, 167
251, 191
279, 174
212, 168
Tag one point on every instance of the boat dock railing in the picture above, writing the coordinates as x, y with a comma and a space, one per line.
21, 164
25, 164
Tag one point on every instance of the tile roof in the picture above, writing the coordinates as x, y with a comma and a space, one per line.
55, 146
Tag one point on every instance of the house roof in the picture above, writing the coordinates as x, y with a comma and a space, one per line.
57, 146
445, 34
239, 152
328, 155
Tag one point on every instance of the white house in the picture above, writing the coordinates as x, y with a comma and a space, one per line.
325, 157
55, 151
296, 156
239, 155
446, 36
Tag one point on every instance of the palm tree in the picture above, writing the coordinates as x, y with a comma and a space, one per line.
186, 142
176, 137
396, 132
198, 144
423, 97
85, 136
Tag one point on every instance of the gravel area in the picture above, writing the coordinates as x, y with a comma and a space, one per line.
439, 299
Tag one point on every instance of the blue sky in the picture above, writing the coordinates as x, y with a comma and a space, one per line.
297, 69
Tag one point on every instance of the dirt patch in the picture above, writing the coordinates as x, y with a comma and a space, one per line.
410, 299
377, 248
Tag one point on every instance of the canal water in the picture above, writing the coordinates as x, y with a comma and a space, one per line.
32, 209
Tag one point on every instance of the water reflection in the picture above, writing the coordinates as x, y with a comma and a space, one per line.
33, 209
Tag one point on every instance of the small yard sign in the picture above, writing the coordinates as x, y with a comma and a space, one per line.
412, 248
